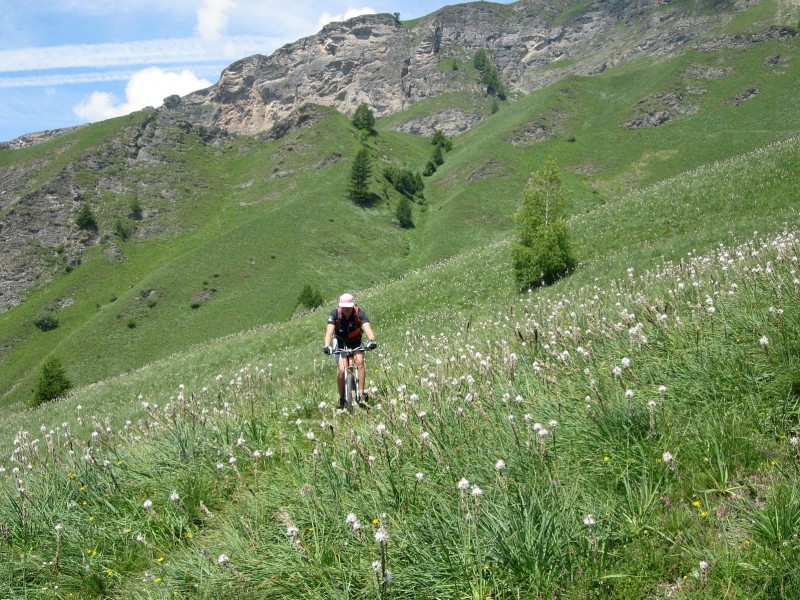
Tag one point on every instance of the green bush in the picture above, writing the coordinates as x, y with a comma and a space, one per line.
53, 382
403, 213
85, 218
46, 321
406, 182
437, 157
546, 260
136, 209
441, 140
309, 297
121, 230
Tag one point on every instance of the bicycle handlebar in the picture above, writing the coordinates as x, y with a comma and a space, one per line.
351, 351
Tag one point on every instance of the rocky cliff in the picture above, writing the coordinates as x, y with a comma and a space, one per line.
379, 61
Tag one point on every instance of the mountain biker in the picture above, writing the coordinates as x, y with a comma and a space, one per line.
348, 322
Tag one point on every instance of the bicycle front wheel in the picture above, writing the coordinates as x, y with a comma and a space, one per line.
350, 391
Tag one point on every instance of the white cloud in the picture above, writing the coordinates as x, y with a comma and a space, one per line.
106, 76
147, 87
351, 12
212, 19
166, 51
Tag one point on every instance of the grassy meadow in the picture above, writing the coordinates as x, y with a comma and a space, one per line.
629, 432
226, 225
622, 435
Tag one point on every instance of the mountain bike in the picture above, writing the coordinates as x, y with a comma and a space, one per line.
352, 391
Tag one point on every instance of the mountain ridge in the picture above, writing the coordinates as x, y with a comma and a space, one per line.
377, 60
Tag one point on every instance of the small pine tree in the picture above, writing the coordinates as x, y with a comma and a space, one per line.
541, 251
403, 213
359, 178
364, 118
480, 61
53, 382
85, 218
493, 84
310, 297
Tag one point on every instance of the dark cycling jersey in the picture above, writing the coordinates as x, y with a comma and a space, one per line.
348, 331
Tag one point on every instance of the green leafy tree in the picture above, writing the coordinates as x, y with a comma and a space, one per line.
53, 382
310, 297
403, 213
541, 252
364, 118
359, 178
85, 218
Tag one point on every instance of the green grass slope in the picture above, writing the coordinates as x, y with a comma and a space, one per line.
238, 227
620, 434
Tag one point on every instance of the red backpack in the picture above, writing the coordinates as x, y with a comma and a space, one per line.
356, 332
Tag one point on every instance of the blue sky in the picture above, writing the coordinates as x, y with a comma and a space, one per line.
67, 62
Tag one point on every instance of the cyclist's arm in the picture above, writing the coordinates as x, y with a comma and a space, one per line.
329, 334
368, 330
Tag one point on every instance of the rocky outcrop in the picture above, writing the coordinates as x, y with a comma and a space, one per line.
30, 139
377, 60
38, 233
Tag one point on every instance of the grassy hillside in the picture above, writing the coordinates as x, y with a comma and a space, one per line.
233, 230
630, 432
621, 434
254, 221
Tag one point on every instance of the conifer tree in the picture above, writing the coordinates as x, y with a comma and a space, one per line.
364, 118
403, 213
541, 251
310, 297
53, 382
359, 178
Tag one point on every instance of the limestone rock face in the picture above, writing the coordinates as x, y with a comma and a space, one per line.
376, 60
